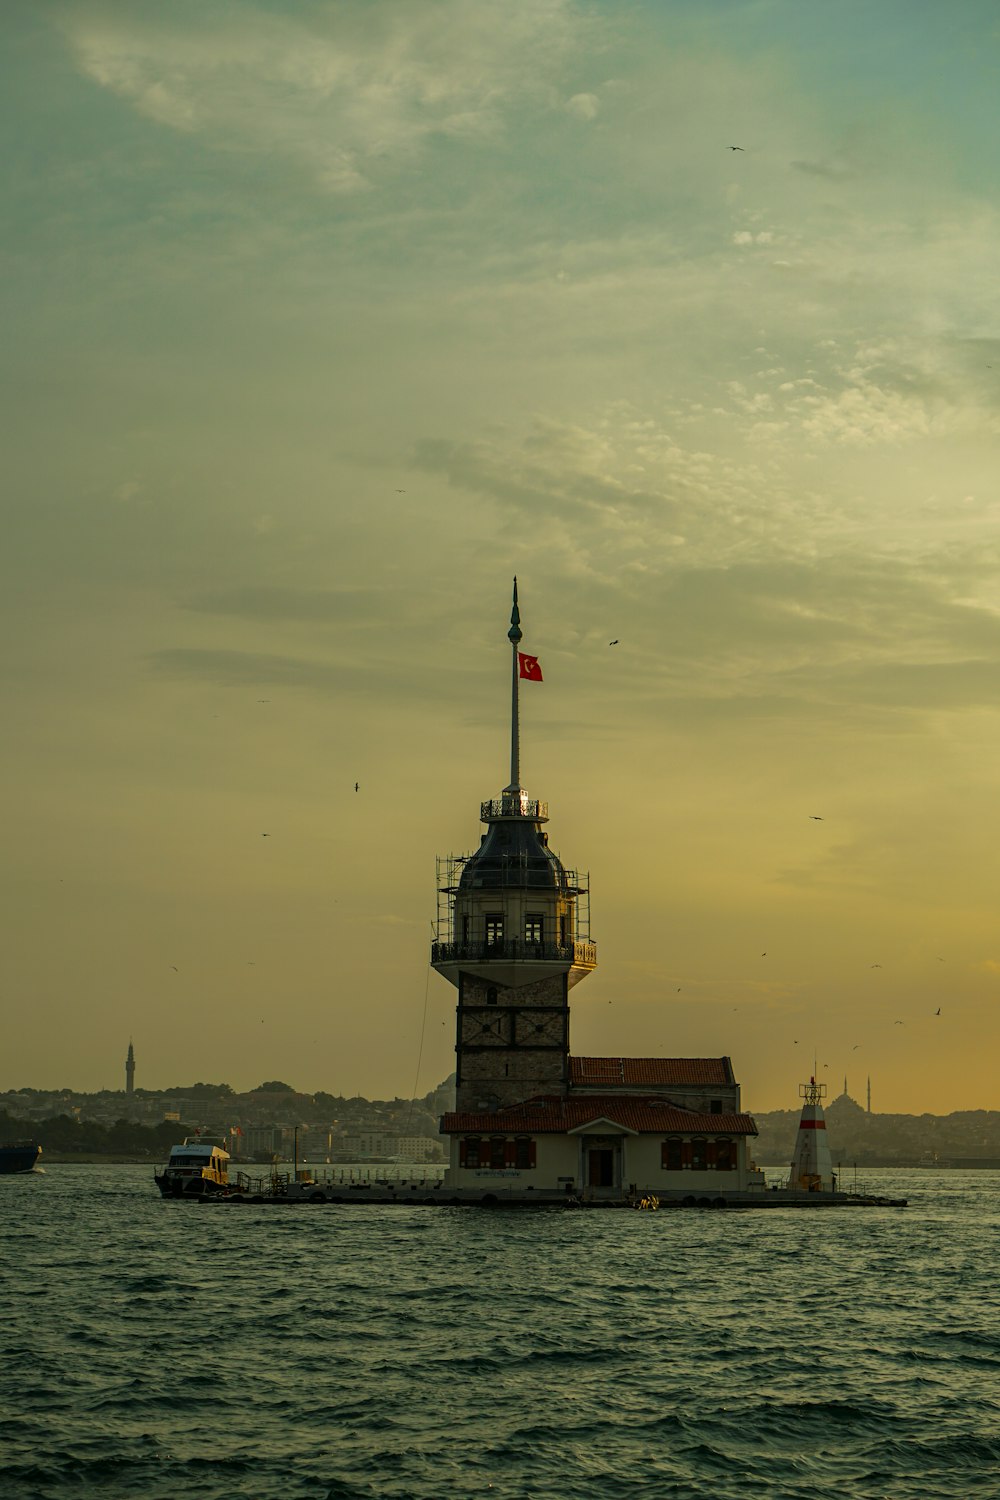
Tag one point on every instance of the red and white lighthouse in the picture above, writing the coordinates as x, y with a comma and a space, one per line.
812, 1169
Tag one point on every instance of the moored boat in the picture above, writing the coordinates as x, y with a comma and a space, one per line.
197, 1168
19, 1156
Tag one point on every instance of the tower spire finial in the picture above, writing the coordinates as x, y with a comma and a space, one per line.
514, 636
514, 633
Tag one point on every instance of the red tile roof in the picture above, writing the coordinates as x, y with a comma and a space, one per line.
633, 1072
550, 1116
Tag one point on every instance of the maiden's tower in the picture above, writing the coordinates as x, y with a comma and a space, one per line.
513, 936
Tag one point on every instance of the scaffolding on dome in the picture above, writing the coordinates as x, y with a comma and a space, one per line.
513, 873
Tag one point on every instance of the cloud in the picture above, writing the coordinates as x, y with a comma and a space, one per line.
250, 668
269, 602
833, 172
349, 90
584, 106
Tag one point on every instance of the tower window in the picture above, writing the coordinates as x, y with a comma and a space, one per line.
491, 996
494, 928
562, 931
465, 929
715, 1106
533, 928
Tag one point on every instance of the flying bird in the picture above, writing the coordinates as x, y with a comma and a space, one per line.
612, 643
175, 968
265, 835
763, 955
874, 966
815, 817
357, 786
938, 1011
400, 492
899, 1023
856, 1046
735, 148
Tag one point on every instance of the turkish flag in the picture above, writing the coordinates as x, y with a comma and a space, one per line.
527, 666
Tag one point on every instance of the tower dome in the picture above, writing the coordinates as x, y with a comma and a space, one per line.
514, 851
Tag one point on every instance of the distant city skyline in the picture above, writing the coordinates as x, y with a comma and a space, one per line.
322, 322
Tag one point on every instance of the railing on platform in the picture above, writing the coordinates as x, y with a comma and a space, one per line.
507, 949
514, 805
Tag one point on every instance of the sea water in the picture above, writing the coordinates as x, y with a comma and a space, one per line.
155, 1348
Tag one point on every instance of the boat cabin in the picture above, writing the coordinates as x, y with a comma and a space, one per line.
199, 1165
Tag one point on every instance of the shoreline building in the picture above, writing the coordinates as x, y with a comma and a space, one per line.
513, 936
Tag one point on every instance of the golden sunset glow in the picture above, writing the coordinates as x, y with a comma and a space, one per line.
325, 320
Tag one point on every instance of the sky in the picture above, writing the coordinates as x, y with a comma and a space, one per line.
323, 320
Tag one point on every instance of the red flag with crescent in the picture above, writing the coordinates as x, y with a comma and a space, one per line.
527, 666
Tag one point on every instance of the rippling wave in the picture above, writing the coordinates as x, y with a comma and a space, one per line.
339, 1352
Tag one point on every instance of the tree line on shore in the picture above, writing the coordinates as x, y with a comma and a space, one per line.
65, 1135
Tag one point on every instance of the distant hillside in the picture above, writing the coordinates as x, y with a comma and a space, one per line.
885, 1140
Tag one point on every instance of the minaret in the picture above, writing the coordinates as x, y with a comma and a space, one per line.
513, 934
869, 1093
812, 1169
130, 1069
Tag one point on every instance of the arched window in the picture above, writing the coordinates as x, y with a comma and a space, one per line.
725, 1155
699, 1154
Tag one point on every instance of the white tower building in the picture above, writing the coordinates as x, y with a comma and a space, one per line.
812, 1169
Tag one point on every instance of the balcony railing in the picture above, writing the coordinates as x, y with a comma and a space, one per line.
518, 950
514, 805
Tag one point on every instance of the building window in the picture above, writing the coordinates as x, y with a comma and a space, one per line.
494, 929
470, 1153
670, 1155
562, 931
498, 1154
715, 1106
699, 1154
524, 1152
465, 929
533, 925
491, 996
725, 1156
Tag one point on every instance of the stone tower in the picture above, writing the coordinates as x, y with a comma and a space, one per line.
130, 1069
513, 934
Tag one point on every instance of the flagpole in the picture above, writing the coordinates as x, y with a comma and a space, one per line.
514, 636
